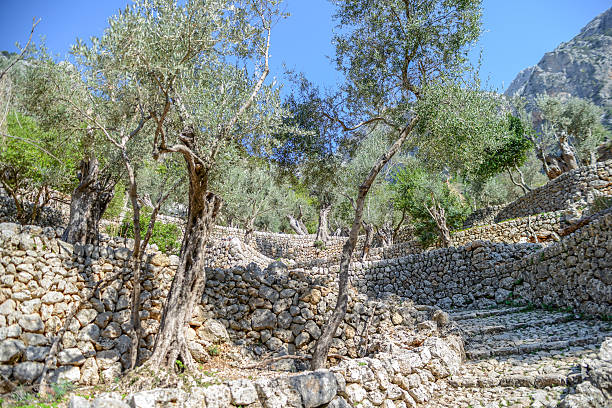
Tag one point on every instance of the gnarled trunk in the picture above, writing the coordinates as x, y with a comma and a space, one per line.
437, 213
87, 204
385, 234
190, 278
367, 243
323, 229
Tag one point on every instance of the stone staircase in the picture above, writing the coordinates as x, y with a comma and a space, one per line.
518, 357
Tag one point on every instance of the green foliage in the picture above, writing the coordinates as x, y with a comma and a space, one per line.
214, 351
34, 157
384, 47
166, 236
414, 188
252, 195
458, 124
601, 203
114, 208
513, 151
580, 119
320, 245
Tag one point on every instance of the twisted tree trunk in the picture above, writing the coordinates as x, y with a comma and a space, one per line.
190, 278
88, 203
323, 229
367, 243
437, 213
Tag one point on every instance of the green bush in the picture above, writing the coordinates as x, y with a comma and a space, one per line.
166, 236
116, 205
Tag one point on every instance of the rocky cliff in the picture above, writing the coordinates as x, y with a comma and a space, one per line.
581, 67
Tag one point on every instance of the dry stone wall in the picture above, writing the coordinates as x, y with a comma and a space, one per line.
42, 279
576, 187
404, 379
575, 273
545, 226
263, 304
482, 216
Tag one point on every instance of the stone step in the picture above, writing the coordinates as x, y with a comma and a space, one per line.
480, 313
527, 348
529, 381
500, 328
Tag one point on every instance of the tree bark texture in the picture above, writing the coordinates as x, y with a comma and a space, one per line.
437, 213
297, 226
321, 349
88, 203
323, 229
190, 278
367, 243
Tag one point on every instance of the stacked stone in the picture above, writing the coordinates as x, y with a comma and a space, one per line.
483, 216
574, 273
544, 225
284, 311
447, 277
576, 187
49, 217
406, 379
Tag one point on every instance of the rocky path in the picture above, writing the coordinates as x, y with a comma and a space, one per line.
518, 357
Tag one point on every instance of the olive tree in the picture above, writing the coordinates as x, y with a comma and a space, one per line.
570, 130
199, 69
250, 192
390, 52
55, 93
307, 152
434, 206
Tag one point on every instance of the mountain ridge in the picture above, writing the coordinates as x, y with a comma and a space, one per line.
580, 67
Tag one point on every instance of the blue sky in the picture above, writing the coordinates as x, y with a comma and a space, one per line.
517, 32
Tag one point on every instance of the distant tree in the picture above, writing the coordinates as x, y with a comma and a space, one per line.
570, 130
380, 218
33, 164
509, 156
250, 191
435, 208
56, 94
308, 152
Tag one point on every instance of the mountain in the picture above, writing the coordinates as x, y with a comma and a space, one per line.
581, 67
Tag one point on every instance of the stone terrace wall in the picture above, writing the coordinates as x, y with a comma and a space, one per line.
483, 216
448, 277
512, 231
574, 273
574, 187
42, 279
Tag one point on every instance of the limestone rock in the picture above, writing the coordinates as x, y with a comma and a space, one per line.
316, 388
263, 319
159, 397
218, 396
71, 356
11, 351
213, 331
32, 323
28, 371
243, 392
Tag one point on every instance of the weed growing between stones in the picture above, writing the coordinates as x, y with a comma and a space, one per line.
24, 397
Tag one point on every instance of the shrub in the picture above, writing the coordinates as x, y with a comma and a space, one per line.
166, 236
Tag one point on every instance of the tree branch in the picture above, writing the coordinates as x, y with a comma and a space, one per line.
20, 56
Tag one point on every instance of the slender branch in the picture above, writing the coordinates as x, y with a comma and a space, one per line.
247, 104
347, 128
20, 56
33, 144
